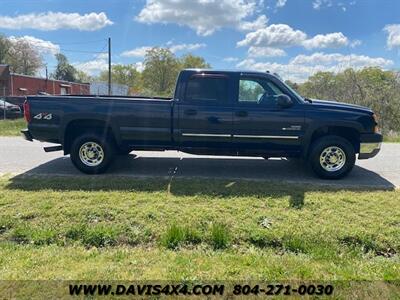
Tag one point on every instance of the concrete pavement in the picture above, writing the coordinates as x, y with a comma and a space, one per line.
18, 156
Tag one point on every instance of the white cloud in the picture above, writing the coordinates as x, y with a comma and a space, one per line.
259, 23
55, 21
302, 66
141, 51
343, 5
338, 59
93, 67
102, 55
139, 66
231, 59
317, 4
393, 39
265, 52
280, 3
355, 43
275, 36
99, 64
42, 46
270, 40
186, 47
204, 16
330, 40
137, 52
287, 71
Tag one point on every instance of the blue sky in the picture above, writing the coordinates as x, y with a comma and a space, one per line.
292, 37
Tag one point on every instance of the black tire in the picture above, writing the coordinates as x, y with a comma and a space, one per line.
105, 146
327, 153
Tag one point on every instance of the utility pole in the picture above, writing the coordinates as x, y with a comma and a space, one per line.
47, 80
109, 66
4, 103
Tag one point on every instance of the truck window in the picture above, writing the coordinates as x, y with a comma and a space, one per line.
257, 90
207, 89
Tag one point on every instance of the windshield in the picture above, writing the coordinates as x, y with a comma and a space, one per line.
294, 91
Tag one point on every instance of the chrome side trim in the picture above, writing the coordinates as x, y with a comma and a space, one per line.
286, 137
206, 135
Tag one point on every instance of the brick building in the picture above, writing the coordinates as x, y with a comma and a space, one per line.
20, 85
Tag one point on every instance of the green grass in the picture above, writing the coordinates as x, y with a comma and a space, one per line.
219, 236
12, 127
177, 236
195, 230
392, 138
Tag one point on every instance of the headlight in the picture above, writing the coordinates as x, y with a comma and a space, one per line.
376, 127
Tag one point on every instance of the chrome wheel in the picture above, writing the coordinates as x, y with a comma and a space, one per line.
91, 154
332, 159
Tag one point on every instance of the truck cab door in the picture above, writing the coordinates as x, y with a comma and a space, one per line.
260, 126
205, 114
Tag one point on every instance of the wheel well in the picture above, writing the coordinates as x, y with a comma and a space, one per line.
350, 134
78, 127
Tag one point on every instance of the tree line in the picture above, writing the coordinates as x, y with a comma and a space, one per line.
20, 55
160, 68
371, 87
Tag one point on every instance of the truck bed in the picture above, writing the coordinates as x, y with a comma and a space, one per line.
134, 120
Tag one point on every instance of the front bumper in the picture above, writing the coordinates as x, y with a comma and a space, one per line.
370, 145
26, 135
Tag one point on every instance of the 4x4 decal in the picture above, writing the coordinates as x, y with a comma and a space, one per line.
44, 116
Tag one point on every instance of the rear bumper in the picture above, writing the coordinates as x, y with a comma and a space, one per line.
370, 145
27, 135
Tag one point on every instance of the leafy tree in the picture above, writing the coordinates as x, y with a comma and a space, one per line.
4, 48
371, 87
380, 90
191, 61
293, 85
161, 69
64, 71
322, 85
124, 74
23, 58
83, 77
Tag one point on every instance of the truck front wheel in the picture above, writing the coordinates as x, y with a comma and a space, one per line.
332, 157
91, 153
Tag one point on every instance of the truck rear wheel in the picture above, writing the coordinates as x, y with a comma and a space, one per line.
332, 157
91, 153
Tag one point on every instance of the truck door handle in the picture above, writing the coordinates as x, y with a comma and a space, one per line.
241, 113
190, 112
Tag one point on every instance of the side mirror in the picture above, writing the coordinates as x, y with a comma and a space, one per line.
283, 101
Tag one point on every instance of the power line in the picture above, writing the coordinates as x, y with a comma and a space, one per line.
80, 43
69, 50
81, 51
97, 56
56, 45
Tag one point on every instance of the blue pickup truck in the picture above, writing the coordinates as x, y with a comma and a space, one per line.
238, 113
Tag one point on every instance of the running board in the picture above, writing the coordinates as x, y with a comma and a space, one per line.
53, 148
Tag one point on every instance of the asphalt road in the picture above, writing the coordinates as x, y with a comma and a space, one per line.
18, 156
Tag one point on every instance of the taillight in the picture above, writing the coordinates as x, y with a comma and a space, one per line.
27, 112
